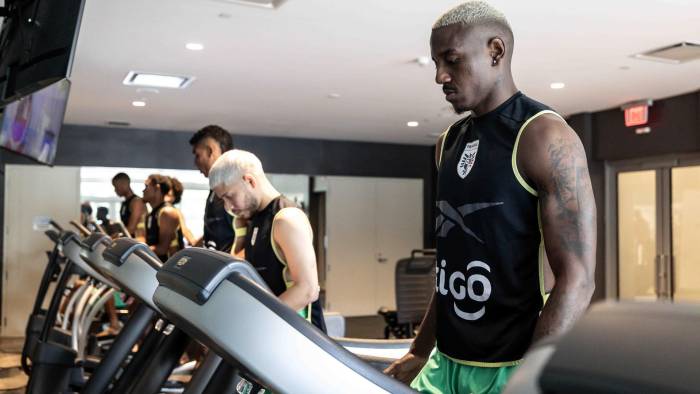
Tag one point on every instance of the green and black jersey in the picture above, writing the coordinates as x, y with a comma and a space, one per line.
261, 252
489, 283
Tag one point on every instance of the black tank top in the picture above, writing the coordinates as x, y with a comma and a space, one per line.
218, 225
125, 211
260, 253
153, 231
489, 283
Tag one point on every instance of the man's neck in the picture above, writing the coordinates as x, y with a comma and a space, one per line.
128, 194
499, 95
269, 194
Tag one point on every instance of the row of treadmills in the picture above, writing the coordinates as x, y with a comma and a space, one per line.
221, 302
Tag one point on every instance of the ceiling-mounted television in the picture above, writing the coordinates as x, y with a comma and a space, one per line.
31, 125
37, 43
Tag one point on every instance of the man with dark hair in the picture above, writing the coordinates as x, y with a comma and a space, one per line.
208, 144
163, 232
133, 209
512, 188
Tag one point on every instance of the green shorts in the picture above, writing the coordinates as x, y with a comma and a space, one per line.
441, 375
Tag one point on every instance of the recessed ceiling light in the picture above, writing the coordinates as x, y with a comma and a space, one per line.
557, 85
194, 46
412, 123
135, 78
138, 103
271, 4
333, 95
423, 60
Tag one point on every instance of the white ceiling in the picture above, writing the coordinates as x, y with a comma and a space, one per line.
265, 72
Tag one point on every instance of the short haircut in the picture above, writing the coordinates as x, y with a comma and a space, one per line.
177, 190
231, 166
475, 13
122, 176
217, 133
161, 181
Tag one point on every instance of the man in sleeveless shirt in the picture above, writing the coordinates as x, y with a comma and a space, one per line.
279, 239
208, 144
163, 233
513, 188
133, 208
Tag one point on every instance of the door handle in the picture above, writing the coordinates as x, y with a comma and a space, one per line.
658, 263
663, 275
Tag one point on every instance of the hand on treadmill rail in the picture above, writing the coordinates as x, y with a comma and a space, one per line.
406, 368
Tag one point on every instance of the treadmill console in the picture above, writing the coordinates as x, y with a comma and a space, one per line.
120, 249
95, 239
196, 272
67, 236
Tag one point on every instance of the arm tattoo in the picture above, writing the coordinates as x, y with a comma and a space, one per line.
570, 181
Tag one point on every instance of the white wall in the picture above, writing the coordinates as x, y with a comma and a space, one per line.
371, 224
31, 191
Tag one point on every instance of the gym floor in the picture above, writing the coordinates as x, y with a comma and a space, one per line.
14, 381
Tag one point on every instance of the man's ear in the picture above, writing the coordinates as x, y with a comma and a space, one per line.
250, 179
497, 49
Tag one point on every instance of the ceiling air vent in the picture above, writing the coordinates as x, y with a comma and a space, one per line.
271, 4
118, 123
674, 54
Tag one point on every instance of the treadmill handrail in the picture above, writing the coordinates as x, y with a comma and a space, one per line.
83, 230
246, 278
316, 336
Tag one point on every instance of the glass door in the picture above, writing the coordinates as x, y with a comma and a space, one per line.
685, 217
655, 249
636, 234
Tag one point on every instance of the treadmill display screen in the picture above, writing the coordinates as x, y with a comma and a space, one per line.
30, 125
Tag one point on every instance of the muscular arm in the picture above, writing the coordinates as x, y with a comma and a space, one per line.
168, 222
551, 156
186, 233
292, 234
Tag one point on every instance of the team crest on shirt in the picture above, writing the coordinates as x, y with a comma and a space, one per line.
466, 162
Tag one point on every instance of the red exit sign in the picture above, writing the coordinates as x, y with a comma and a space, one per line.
637, 113
636, 116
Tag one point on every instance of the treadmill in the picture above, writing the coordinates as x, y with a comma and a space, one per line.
133, 266
223, 303
56, 355
623, 347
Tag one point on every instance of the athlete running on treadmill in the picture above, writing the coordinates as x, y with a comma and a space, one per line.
163, 233
512, 184
133, 209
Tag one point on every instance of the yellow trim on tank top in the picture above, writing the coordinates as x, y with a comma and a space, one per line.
514, 155
442, 138
482, 364
288, 283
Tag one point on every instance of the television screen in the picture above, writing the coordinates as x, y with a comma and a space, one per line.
37, 43
30, 125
